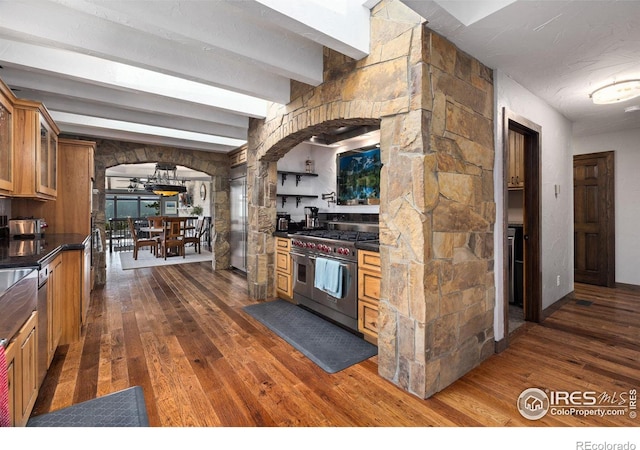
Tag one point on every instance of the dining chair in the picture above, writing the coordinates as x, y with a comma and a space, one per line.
173, 236
196, 236
155, 221
139, 242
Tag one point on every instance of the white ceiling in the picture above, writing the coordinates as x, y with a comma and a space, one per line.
559, 50
192, 73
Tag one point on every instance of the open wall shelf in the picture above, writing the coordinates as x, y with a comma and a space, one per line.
298, 175
298, 198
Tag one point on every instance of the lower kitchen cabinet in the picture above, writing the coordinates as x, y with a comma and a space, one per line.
369, 276
74, 298
12, 363
22, 364
284, 269
55, 291
86, 280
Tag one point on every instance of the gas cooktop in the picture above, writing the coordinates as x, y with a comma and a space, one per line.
339, 235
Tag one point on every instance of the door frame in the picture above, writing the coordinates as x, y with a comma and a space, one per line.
532, 274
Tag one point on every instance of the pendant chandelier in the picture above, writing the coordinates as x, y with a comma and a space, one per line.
164, 181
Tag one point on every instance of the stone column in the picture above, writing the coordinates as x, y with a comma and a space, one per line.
100, 254
221, 223
409, 297
261, 196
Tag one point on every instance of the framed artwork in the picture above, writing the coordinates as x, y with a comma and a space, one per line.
171, 207
359, 176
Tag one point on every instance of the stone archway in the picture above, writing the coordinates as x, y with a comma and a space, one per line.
112, 153
434, 104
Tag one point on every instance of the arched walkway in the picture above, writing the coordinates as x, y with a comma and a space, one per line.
113, 153
435, 108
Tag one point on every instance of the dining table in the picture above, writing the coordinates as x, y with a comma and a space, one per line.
152, 231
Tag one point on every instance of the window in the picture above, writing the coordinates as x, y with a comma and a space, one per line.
122, 206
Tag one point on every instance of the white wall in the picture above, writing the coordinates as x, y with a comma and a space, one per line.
324, 159
193, 189
626, 145
557, 213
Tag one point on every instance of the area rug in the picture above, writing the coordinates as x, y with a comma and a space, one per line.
329, 346
148, 259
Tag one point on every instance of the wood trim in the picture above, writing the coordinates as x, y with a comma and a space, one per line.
629, 287
501, 345
532, 213
557, 305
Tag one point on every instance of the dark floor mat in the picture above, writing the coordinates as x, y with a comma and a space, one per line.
329, 346
124, 408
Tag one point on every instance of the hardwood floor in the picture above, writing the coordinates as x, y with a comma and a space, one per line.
180, 333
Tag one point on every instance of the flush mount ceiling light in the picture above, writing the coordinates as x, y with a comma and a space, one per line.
164, 181
616, 92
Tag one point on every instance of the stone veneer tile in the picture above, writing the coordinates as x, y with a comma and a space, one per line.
468, 125
406, 337
457, 187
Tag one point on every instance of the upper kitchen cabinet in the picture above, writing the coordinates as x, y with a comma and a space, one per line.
6, 139
35, 150
516, 160
71, 212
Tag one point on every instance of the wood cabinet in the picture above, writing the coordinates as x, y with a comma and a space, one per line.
238, 157
369, 276
35, 136
516, 160
55, 290
10, 355
22, 363
284, 269
71, 212
6, 140
74, 299
86, 281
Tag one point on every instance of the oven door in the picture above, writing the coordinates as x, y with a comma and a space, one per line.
347, 304
303, 272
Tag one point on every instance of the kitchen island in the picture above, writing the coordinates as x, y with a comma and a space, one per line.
48, 308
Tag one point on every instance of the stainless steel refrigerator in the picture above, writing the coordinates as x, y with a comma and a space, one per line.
238, 235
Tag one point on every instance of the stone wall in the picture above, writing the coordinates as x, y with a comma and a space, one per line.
112, 153
434, 105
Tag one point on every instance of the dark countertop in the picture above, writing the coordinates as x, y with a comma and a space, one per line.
372, 246
34, 252
282, 234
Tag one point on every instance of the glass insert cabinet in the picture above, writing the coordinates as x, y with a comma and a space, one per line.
6, 140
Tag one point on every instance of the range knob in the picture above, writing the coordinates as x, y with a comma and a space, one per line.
311, 245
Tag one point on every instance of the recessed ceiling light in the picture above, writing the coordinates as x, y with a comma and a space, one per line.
616, 92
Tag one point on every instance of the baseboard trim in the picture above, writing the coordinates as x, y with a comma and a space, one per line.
557, 305
629, 287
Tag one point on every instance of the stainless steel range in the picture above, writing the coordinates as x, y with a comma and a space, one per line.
307, 247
